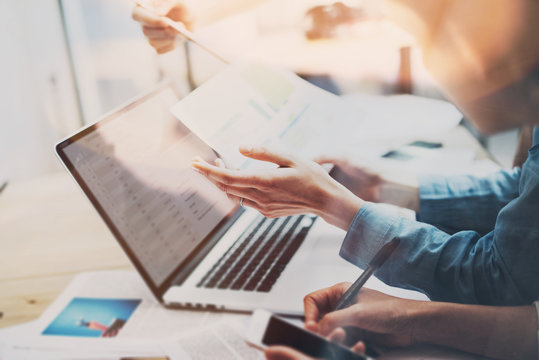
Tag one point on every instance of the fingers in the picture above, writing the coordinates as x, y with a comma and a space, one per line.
234, 193
181, 13
338, 335
326, 160
320, 302
147, 18
258, 200
220, 163
159, 33
226, 176
359, 347
264, 154
284, 353
162, 46
160, 36
350, 316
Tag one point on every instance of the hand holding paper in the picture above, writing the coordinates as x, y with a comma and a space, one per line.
296, 187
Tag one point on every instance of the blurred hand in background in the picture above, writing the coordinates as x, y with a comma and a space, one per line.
160, 35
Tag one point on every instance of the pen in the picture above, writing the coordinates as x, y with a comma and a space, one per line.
381, 256
182, 30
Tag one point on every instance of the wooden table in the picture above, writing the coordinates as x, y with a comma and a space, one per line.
49, 232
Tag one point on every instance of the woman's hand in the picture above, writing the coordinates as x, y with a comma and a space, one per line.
364, 180
375, 317
161, 36
296, 186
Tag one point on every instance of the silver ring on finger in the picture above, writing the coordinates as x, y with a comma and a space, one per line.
241, 201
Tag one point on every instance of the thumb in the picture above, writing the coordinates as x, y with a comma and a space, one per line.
329, 160
265, 154
349, 316
324, 159
359, 347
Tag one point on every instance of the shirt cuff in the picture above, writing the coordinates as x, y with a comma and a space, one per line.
431, 187
372, 227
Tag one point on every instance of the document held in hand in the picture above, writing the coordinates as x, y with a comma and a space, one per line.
255, 104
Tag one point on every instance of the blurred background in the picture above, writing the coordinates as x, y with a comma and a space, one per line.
65, 63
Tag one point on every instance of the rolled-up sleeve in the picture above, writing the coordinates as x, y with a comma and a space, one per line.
465, 202
491, 259
463, 267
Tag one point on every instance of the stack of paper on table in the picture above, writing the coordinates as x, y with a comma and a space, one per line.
149, 329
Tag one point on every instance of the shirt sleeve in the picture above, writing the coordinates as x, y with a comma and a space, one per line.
496, 268
464, 267
464, 202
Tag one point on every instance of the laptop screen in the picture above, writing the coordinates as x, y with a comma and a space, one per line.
134, 165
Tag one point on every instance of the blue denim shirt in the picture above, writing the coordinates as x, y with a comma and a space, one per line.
476, 239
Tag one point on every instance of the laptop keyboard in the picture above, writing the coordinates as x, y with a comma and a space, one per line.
258, 257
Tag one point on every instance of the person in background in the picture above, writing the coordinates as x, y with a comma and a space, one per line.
476, 239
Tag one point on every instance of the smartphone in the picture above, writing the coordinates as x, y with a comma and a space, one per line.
266, 329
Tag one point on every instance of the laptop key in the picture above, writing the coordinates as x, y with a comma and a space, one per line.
215, 274
207, 277
261, 272
257, 261
283, 260
240, 264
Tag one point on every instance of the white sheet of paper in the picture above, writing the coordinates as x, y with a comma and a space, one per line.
254, 104
151, 320
397, 119
144, 333
222, 340
88, 351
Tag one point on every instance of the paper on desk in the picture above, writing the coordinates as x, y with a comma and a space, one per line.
11, 334
31, 350
398, 119
149, 321
144, 333
223, 340
255, 104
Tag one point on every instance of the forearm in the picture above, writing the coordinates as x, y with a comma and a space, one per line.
464, 267
498, 332
402, 190
464, 202
340, 205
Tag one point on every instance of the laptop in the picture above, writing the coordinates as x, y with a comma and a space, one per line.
193, 246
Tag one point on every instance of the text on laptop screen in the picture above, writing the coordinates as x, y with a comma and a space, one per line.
136, 163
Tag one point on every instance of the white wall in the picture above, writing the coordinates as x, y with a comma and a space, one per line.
38, 103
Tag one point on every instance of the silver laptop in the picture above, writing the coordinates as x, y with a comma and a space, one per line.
191, 244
